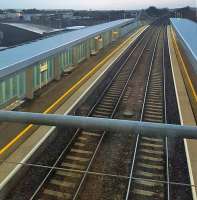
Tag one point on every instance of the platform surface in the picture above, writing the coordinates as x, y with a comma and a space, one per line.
185, 111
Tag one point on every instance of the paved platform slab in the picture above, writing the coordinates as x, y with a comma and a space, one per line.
185, 109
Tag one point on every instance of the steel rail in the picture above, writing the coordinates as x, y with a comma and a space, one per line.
141, 118
165, 114
78, 130
98, 174
112, 115
122, 65
89, 114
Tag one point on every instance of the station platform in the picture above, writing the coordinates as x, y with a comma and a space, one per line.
184, 89
78, 89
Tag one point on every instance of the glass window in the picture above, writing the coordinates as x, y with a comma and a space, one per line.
14, 83
1, 93
7, 89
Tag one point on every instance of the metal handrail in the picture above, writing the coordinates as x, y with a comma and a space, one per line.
101, 124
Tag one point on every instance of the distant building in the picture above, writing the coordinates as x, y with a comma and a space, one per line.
67, 15
11, 35
35, 17
16, 15
27, 17
3, 16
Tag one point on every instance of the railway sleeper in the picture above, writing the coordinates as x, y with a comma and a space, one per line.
149, 185
149, 144
105, 107
148, 195
154, 102
99, 116
156, 73
91, 134
80, 154
69, 165
156, 86
155, 93
82, 138
156, 78
100, 109
52, 195
159, 164
79, 144
154, 110
68, 177
114, 93
152, 106
66, 191
66, 174
62, 183
156, 83
155, 97
151, 161
148, 175
154, 152
151, 119
103, 113
153, 139
115, 87
77, 158
155, 114
151, 171
151, 155
150, 165
110, 99
106, 103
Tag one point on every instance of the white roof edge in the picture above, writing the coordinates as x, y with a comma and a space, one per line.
8, 69
182, 37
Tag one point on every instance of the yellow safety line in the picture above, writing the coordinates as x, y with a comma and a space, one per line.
185, 68
76, 85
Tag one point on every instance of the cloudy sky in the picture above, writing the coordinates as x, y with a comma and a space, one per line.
94, 4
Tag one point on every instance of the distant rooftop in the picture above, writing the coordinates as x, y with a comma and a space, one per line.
17, 58
2, 48
187, 30
34, 28
75, 27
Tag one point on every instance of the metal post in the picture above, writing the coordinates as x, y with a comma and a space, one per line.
91, 123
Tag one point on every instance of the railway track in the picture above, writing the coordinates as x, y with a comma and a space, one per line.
150, 163
78, 156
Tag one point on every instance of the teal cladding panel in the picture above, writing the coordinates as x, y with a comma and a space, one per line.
12, 87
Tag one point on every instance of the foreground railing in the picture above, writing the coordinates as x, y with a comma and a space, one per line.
102, 124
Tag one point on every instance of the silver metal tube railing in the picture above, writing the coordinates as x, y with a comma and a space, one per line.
102, 124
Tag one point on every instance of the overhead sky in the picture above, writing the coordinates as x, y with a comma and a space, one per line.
94, 4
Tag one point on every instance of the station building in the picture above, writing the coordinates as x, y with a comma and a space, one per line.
27, 68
